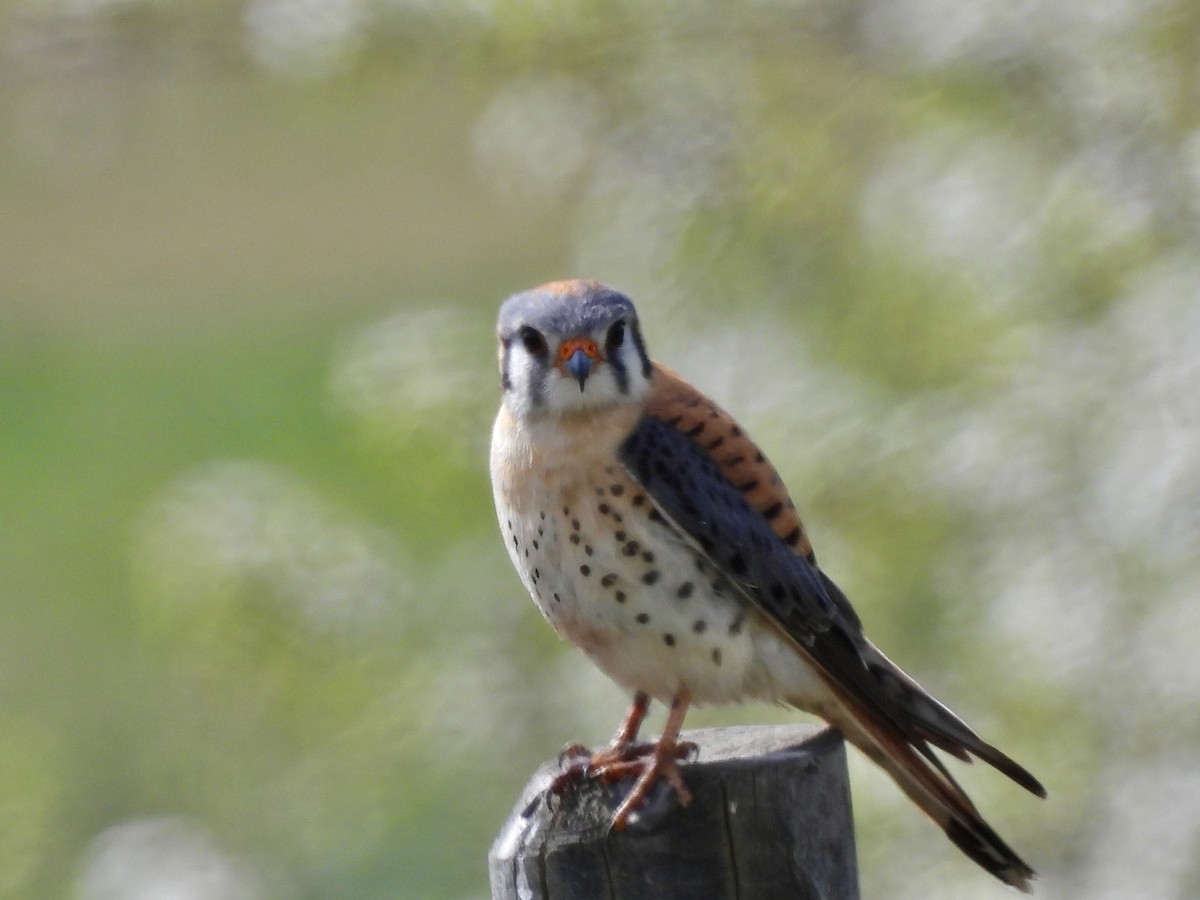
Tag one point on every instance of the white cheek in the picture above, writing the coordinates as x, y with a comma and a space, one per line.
521, 374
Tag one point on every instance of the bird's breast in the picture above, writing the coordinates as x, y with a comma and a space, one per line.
613, 575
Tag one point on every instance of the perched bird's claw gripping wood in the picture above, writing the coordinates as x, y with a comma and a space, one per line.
656, 536
627, 758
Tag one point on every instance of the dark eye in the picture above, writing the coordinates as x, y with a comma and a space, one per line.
616, 335
533, 340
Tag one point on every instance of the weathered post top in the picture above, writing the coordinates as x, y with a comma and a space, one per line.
770, 819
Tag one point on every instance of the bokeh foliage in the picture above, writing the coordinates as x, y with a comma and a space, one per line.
259, 638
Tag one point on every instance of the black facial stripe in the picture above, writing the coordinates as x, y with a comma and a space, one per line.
620, 373
635, 332
505, 355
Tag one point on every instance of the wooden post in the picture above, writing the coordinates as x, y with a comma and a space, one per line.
770, 819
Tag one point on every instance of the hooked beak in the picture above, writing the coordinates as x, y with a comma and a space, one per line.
579, 366
576, 356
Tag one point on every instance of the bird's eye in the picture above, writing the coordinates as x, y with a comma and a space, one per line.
616, 335
533, 340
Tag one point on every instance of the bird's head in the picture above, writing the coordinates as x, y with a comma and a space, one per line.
570, 346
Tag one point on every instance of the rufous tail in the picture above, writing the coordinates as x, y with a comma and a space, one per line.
895, 727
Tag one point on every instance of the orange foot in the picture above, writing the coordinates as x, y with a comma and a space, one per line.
661, 764
626, 757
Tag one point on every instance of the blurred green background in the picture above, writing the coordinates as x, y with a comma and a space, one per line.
258, 637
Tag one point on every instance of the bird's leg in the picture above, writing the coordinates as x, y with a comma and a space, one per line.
625, 746
622, 741
663, 763
622, 748
632, 723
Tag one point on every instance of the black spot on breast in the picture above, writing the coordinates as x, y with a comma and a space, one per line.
604, 508
716, 656
793, 537
631, 548
587, 548
585, 570
535, 544
773, 511
643, 618
616, 489
669, 639
575, 539
714, 443
620, 535
608, 580
638, 499
575, 524
735, 627
650, 577
648, 556
557, 599
620, 595
699, 626
696, 430
685, 590
735, 431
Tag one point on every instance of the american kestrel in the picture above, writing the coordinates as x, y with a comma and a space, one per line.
654, 535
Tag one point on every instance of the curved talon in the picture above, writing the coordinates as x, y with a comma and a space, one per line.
626, 757
624, 747
568, 776
572, 750
600, 765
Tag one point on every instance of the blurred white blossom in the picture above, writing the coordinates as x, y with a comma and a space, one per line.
165, 858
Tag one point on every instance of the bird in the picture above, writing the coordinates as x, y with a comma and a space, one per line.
654, 535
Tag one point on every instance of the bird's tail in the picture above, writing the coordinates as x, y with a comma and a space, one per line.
895, 727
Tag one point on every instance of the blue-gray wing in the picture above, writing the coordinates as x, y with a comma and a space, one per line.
687, 482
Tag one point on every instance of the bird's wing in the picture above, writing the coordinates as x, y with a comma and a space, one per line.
717, 487
712, 483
